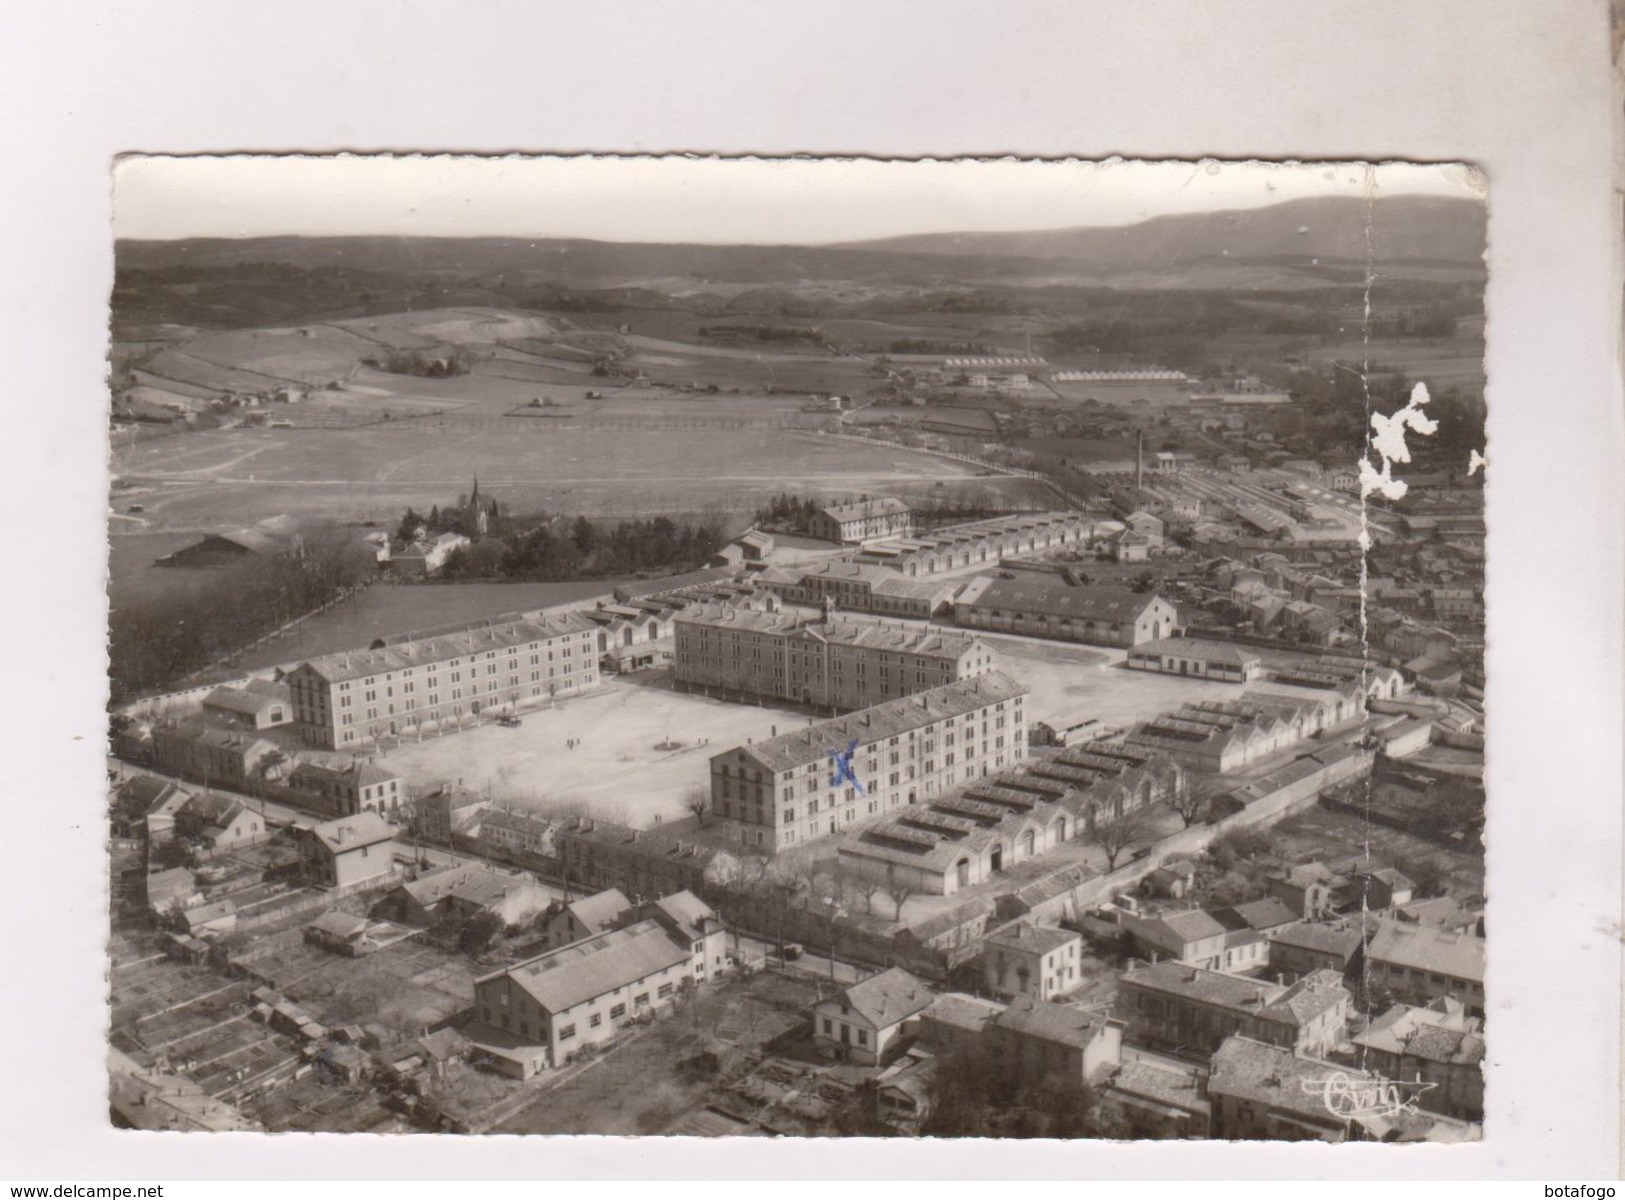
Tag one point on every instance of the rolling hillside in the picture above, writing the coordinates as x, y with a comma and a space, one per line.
1293, 241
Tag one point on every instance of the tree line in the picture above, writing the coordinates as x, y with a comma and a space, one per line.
564, 548
156, 642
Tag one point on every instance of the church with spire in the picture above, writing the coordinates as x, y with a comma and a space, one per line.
478, 512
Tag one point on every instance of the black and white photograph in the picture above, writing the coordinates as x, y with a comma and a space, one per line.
798, 648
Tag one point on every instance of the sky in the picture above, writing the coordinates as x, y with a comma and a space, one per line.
685, 199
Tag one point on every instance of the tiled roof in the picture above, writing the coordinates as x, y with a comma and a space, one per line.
1256, 914
687, 911
1053, 599
599, 911
1194, 648
1274, 1076
963, 1012
851, 510
1058, 1023
1190, 926
562, 979
816, 742
1327, 939
1144, 1079
1430, 948
249, 700
838, 631
1426, 1033
357, 664
1034, 939
516, 822
888, 998
349, 833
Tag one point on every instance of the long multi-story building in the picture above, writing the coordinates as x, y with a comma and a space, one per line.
864, 520
540, 1013
981, 543
801, 786
832, 662
1106, 616
861, 587
358, 696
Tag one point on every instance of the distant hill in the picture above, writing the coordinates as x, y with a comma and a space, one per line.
1402, 229
1408, 234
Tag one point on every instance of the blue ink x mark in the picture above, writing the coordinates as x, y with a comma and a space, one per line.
841, 766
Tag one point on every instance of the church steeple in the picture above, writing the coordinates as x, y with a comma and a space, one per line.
477, 516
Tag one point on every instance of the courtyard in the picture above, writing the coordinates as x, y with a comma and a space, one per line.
639, 747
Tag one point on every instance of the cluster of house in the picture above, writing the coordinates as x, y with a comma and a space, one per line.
1236, 1053
1419, 603
224, 745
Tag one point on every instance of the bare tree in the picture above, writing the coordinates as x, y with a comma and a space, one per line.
1117, 834
1188, 801
861, 886
898, 890
698, 801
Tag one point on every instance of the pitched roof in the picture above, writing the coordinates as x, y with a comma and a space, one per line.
474, 883
1267, 913
515, 822
339, 924
360, 772
351, 833
839, 630
1443, 951
1221, 652
1161, 1084
1274, 1076
564, 978
815, 743
1056, 1023
213, 809
852, 510
1293, 1005
1434, 1035
1034, 939
687, 911
1192, 926
1343, 941
1056, 599
598, 911
887, 998
970, 1013
357, 664
251, 699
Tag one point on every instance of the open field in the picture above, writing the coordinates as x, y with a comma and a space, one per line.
217, 479
616, 769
